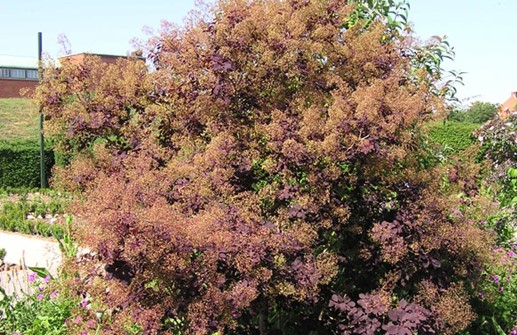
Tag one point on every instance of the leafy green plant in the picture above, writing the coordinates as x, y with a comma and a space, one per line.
67, 246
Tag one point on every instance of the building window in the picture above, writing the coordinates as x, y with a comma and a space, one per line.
4, 73
17, 73
28, 74
32, 74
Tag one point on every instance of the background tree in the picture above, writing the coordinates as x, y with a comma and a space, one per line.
478, 112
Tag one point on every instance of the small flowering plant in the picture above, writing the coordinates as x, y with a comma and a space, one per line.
500, 288
44, 309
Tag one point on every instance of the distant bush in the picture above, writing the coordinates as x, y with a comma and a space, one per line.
20, 164
453, 136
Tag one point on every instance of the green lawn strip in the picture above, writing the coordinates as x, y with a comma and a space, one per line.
18, 119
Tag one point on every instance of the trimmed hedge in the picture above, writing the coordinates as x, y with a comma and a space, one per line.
452, 136
20, 164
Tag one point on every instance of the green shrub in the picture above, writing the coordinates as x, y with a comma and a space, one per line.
20, 163
452, 136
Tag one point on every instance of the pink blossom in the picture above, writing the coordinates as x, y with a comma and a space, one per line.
457, 212
78, 319
53, 294
84, 303
46, 279
32, 277
39, 296
511, 254
496, 279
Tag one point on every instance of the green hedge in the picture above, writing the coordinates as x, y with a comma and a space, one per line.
20, 164
452, 136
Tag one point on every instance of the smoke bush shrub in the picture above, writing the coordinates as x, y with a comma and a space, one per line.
270, 167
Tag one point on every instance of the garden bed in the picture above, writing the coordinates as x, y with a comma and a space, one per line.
34, 213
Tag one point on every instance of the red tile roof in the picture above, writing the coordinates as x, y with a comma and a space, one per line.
508, 106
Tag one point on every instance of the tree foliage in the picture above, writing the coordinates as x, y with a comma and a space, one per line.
478, 112
266, 176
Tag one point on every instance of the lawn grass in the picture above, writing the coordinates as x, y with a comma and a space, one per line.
18, 119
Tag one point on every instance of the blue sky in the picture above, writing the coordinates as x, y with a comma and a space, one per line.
483, 32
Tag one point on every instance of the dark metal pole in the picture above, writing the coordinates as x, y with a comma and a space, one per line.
43, 179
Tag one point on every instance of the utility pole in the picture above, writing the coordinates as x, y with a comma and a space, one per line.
43, 179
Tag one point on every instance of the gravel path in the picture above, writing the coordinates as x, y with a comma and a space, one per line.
31, 251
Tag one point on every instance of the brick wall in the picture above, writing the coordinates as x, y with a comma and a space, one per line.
79, 58
10, 88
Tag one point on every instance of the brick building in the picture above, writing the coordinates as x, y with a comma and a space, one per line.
79, 58
110, 59
17, 73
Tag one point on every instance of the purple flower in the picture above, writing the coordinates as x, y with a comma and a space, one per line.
39, 296
91, 323
32, 277
496, 279
53, 294
46, 279
84, 303
77, 319
511, 254
514, 331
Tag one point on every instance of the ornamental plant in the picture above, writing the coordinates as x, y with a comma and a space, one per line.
44, 311
268, 176
499, 147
